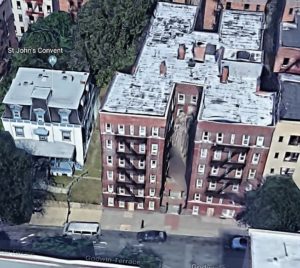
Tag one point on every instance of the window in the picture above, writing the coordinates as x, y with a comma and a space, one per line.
121, 204
251, 174
108, 127
121, 177
294, 140
203, 153
214, 171
255, 158
155, 131
48, 9
18, 5
248, 187
131, 130
140, 205
260, 141
121, 190
179, 111
121, 129
152, 178
141, 163
110, 188
235, 187
209, 199
291, 11
201, 169
40, 8
22, 29
110, 201
199, 183
132, 145
242, 157
31, 18
121, 146
287, 171
291, 157
64, 115
212, 186
152, 192
195, 210
19, 131
66, 135
154, 149
108, 144
181, 98
217, 155
110, 175
142, 148
140, 192
219, 137
142, 131
205, 136
246, 6
151, 205
39, 113
29, 5
221, 201
228, 213
228, 5
238, 173
121, 162
257, 7
153, 163
109, 160
20, 18
232, 138
280, 139
285, 61
197, 197
43, 138
245, 140
272, 171
276, 155
194, 99
141, 178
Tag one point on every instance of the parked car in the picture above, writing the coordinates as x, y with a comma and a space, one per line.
239, 243
152, 236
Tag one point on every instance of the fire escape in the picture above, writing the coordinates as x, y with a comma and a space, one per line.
228, 165
35, 9
131, 185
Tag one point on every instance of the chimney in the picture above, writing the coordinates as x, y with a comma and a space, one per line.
163, 68
181, 52
199, 51
224, 74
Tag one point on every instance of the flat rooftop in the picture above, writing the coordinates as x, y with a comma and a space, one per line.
271, 249
290, 33
290, 97
61, 89
146, 92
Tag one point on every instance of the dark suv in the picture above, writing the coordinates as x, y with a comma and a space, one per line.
152, 236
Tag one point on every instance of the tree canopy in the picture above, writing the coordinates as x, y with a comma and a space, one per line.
16, 171
273, 206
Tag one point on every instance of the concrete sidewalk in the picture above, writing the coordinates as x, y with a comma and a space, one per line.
113, 219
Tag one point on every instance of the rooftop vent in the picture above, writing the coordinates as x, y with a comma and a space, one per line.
25, 83
191, 63
163, 68
181, 52
199, 51
243, 55
64, 77
63, 72
224, 74
82, 82
40, 75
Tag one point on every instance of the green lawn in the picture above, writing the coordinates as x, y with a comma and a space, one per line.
57, 197
87, 191
62, 181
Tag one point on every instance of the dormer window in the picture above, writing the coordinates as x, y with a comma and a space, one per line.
16, 111
64, 115
40, 115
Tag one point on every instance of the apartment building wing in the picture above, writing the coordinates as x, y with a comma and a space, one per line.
70, 6
284, 150
28, 11
7, 34
288, 53
272, 249
50, 114
290, 10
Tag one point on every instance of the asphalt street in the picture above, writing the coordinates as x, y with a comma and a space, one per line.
177, 251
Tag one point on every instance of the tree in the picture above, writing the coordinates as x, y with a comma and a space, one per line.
4, 241
273, 206
63, 247
16, 169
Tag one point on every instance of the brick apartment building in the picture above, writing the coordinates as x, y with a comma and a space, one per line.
7, 34
192, 96
288, 53
70, 6
291, 7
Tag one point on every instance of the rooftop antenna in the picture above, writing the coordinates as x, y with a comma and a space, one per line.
52, 61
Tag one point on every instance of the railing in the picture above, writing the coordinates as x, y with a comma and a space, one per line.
132, 155
230, 148
218, 178
129, 198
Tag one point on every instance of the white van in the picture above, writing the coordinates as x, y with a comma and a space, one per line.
78, 229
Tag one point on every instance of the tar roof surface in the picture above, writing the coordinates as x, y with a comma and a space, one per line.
290, 97
290, 33
66, 90
146, 92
